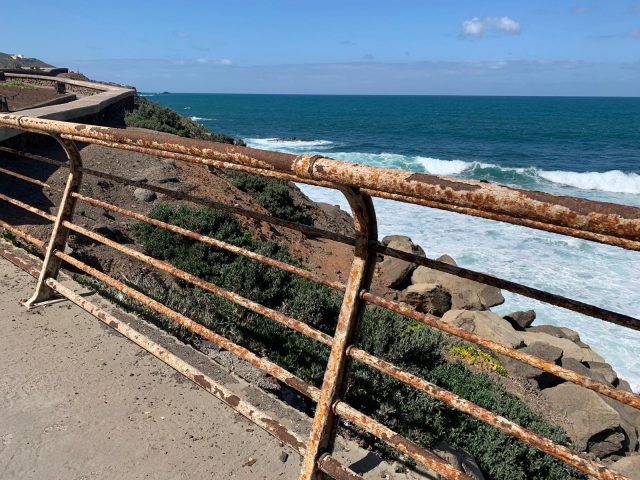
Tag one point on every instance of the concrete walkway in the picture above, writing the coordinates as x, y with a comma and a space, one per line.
78, 401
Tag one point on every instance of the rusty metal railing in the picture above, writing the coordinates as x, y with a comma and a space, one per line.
606, 223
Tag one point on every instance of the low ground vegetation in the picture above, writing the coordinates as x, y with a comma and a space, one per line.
153, 116
17, 84
272, 194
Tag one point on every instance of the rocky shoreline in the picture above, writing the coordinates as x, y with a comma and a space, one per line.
597, 425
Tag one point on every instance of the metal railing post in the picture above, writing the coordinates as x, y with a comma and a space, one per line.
334, 385
60, 233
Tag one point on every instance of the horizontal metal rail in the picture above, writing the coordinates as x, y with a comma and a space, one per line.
548, 209
486, 279
597, 221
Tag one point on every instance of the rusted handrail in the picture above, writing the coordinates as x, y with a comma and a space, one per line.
515, 287
597, 221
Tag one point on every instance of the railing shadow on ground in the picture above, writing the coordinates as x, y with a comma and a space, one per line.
611, 224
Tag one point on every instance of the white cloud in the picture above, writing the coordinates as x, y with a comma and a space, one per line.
202, 60
634, 33
180, 34
225, 61
476, 26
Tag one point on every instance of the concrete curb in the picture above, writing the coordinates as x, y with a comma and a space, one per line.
106, 96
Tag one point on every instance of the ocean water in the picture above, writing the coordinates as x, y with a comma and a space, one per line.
587, 147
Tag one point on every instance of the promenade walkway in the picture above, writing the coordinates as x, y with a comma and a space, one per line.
78, 401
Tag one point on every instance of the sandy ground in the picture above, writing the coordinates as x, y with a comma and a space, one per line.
78, 401
20, 98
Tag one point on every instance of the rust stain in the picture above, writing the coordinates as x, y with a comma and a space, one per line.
449, 185
282, 433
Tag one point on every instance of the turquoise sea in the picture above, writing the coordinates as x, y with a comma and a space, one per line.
587, 147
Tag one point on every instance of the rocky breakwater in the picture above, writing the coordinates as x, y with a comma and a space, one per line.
596, 424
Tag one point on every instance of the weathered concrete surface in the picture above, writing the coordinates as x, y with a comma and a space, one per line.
79, 401
89, 105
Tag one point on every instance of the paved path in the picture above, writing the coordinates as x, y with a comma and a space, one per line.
78, 401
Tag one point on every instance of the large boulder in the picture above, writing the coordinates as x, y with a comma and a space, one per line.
575, 366
485, 324
392, 272
569, 348
465, 294
604, 369
530, 373
521, 320
628, 466
560, 332
427, 298
630, 422
592, 424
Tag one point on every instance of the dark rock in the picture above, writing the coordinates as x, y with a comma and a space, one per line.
560, 332
569, 348
392, 272
168, 179
575, 366
630, 422
465, 294
604, 369
628, 466
144, 195
521, 320
623, 385
460, 459
427, 298
284, 456
532, 374
592, 424
486, 324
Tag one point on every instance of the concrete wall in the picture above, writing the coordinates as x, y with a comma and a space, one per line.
97, 97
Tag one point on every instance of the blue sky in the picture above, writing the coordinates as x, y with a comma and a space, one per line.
512, 47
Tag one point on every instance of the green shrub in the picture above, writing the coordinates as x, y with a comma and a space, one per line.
271, 193
18, 84
415, 347
152, 116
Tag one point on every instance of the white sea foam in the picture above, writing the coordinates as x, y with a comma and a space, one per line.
199, 119
611, 181
288, 143
435, 166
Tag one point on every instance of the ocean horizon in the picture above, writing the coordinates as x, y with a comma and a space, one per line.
579, 146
